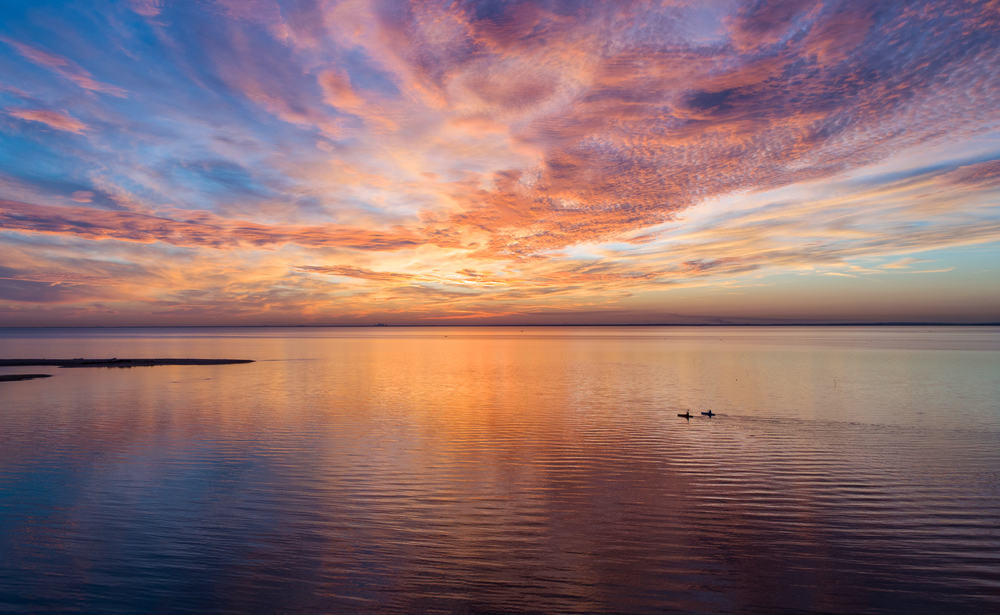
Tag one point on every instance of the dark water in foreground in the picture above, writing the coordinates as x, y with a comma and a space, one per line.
481, 470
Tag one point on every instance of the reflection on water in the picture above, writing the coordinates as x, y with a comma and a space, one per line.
500, 470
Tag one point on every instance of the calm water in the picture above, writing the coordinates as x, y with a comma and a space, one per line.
487, 470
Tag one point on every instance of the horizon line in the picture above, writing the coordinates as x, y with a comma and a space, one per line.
421, 325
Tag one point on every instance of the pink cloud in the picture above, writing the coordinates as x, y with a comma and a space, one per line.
65, 68
52, 119
198, 229
147, 8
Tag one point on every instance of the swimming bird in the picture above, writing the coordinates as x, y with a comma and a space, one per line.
686, 415
709, 414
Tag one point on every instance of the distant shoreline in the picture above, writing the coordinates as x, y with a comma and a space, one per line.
115, 362
19, 377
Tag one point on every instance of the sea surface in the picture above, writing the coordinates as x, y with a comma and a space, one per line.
504, 470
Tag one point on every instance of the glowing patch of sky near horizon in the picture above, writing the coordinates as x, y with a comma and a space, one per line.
350, 161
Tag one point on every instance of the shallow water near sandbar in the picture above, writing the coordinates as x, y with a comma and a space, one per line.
486, 470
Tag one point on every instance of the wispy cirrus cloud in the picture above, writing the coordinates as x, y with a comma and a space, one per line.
63, 67
194, 229
52, 119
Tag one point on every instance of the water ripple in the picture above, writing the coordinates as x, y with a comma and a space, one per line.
500, 474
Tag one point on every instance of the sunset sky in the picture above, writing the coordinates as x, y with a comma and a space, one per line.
262, 162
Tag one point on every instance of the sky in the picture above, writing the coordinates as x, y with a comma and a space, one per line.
537, 162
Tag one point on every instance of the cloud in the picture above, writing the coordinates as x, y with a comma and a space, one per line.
147, 8
477, 159
355, 272
337, 91
40, 292
196, 229
632, 132
981, 174
47, 286
64, 67
903, 263
52, 119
